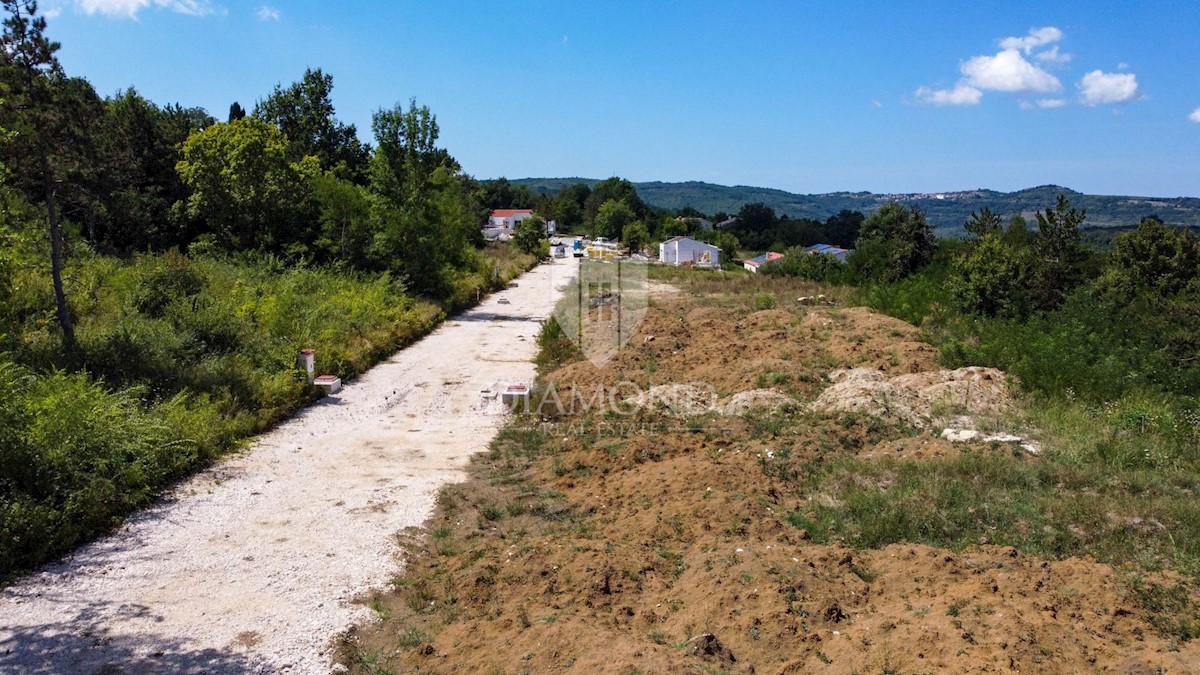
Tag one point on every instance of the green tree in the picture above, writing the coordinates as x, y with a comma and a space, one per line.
528, 234
613, 189
894, 242
32, 76
1059, 257
983, 223
9, 205
635, 236
304, 113
842, 229
424, 212
501, 194
726, 241
245, 187
611, 219
673, 228
344, 214
569, 206
1153, 259
756, 217
991, 278
141, 146
422, 240
756, 226
1017, 235
406, 152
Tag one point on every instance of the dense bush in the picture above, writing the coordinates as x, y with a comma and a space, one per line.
893, 243
798, 262
75, 457
182, 358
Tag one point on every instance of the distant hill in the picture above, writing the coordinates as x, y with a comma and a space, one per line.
946, 211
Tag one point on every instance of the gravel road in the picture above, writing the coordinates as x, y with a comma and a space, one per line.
254, 565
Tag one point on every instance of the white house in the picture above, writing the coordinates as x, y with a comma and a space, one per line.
685, 250
503, 222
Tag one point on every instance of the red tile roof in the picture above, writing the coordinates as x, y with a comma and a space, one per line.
508, 213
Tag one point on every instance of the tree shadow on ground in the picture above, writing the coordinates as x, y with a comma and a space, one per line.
82, 645
490, 317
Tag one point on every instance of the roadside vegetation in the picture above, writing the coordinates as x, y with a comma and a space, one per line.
160, 270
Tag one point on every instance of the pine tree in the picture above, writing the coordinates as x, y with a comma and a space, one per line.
31, 72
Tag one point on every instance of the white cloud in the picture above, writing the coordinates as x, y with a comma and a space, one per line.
876, 103
1100, 88
1195, 116
961, 94
1052, 55
52, 12
1037, 37
266, 13
1043, 103
130, 8
1122, 66
1008, 71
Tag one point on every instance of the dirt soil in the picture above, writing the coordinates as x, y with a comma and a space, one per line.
253, 566
640, 542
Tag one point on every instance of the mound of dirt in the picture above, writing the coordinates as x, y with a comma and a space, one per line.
687, 400
760, 400
683, 400
652, 546
733, 350
916, 400
975, 390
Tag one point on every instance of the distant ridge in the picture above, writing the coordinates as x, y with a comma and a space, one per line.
946, 211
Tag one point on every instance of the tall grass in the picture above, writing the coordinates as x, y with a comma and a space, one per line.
1115, 481
74, 457
180, 359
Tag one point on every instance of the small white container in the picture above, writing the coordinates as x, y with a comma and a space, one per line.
516, 396
329, 383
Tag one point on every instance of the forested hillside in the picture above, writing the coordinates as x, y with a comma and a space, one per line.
160, 269
946, 211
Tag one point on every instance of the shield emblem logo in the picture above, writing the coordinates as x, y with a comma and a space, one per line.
603, 306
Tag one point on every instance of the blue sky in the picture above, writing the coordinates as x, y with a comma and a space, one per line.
805, 96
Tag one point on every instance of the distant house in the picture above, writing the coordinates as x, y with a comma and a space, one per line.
838, 251
694, 224
728, 222
503, 222
753, 264
688, 251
